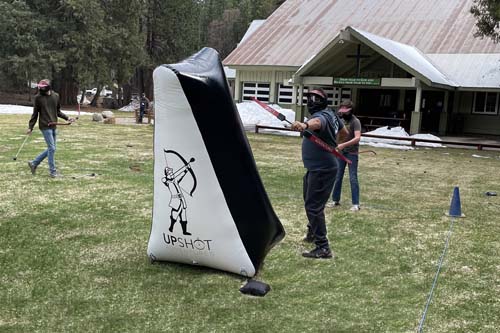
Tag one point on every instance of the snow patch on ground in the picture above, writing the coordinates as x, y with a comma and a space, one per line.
20, 109
398, 144
134, 105
252, 114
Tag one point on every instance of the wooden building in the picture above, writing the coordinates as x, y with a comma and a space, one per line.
414, 64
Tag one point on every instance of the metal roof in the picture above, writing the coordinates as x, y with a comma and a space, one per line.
470, 70
231, 73
254, 25
408, 56
299, 29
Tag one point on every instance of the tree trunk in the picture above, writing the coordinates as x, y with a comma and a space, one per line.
140, 79
82, 96
96, 96
120, 97
148, 83
127, 93
64, 83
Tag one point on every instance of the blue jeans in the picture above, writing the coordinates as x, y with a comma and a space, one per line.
50, 138
353, 178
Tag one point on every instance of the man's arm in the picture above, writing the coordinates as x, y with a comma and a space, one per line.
343, 134
34, 117
311, 124
353, 141
60, 114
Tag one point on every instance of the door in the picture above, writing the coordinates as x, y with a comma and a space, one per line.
432, 106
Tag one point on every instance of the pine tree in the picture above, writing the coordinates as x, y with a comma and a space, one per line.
487, 13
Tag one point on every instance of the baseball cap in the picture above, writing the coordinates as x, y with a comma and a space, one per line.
346, 106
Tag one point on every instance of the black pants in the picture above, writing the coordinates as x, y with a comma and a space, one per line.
317, 188
141, 115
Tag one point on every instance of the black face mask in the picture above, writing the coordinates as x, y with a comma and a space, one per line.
44, 90
315, 104
346, 116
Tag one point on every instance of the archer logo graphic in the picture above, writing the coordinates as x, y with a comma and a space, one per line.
173, 180
176, 170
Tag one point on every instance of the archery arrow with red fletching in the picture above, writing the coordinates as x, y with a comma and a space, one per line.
308, 134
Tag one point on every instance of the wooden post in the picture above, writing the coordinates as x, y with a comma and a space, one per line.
416, 116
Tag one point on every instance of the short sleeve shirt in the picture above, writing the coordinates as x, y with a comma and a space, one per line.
313, 156
352, 125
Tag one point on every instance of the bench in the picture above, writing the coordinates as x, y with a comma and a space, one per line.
369, 123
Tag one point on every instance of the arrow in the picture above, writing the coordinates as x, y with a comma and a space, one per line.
308, 134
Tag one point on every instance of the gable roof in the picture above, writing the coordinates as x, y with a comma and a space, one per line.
432, 26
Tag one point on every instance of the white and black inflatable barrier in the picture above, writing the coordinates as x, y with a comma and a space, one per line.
210, 207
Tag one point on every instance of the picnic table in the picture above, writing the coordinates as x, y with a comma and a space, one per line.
372, 122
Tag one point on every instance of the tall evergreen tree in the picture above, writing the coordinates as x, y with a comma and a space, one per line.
20, 50
487, 13
88, 43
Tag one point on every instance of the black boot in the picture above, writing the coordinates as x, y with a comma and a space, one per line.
172, 222
184, 227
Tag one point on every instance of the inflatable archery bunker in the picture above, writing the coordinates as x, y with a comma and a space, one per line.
210, 207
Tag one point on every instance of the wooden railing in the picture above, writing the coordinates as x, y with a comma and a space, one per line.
413, 141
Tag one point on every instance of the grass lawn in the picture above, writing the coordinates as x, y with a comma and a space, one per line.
73, 250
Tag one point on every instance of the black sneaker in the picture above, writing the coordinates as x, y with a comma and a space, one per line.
318, 253
32, 167
308, 238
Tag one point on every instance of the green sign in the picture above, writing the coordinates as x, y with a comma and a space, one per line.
357, 81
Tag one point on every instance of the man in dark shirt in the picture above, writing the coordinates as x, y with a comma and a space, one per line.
321, 167
46, 109
143, 106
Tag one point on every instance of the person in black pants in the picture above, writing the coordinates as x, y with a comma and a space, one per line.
143, 106
321, 168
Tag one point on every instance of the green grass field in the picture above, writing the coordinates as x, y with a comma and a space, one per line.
73, 250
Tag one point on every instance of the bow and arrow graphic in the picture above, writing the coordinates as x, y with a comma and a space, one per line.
172, 181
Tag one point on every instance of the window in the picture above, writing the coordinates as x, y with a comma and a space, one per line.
285, 93
257, 90
485, 103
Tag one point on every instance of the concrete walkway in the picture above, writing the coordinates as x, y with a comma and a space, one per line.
475, 141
